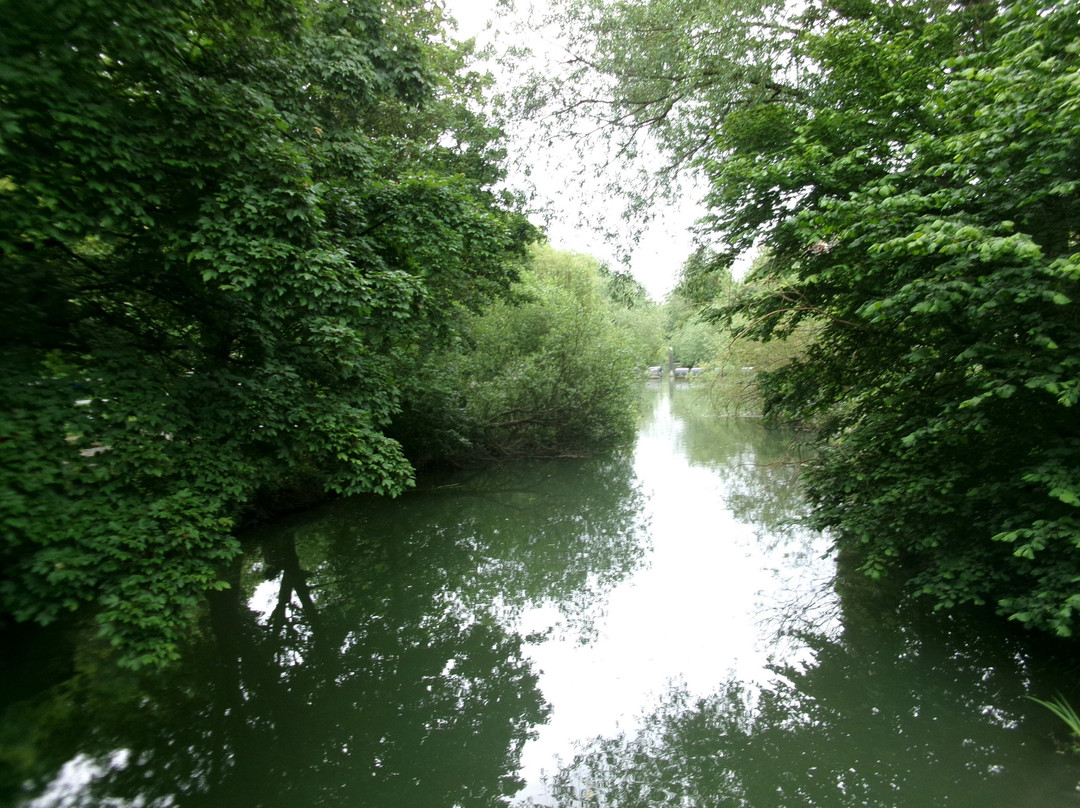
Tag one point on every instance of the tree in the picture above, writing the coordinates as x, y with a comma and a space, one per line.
942, 271
704, 282
913, 178
640, 319
948, 365
549, 371
639, 87
702, 302
227, 231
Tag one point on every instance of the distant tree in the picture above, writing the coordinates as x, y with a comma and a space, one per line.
227, 231
550, 371
640, 318
690, 332
623, 288
738, 360
705, 280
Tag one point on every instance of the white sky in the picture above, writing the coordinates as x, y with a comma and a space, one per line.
663, 248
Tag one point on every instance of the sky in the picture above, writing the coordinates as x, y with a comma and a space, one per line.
662, 249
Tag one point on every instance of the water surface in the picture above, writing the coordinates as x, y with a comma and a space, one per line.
652, 628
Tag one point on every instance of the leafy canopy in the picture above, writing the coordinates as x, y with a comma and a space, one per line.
551, 369
228, 230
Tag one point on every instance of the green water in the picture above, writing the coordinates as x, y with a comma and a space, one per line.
654, 628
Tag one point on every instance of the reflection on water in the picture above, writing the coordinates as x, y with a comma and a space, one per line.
848, 701
718, 592
892, 722
364, 656
655, 628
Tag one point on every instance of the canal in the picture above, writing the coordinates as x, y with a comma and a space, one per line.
655, 627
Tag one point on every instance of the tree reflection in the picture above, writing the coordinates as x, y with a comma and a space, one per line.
364, 656
759, 467
879, 719
491, 542
314, 708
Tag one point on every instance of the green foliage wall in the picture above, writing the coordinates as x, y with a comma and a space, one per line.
941, 254
549, 371
227, 231
940, 251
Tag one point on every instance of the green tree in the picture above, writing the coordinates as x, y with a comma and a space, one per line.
695, 342
639, 87
911, 168
227, 231
692, 339
639, 318
549, 371
941, 267
705, 294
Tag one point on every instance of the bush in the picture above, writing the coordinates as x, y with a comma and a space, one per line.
548, 371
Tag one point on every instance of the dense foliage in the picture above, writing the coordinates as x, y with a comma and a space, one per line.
552, 369
913, 170
228, 232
